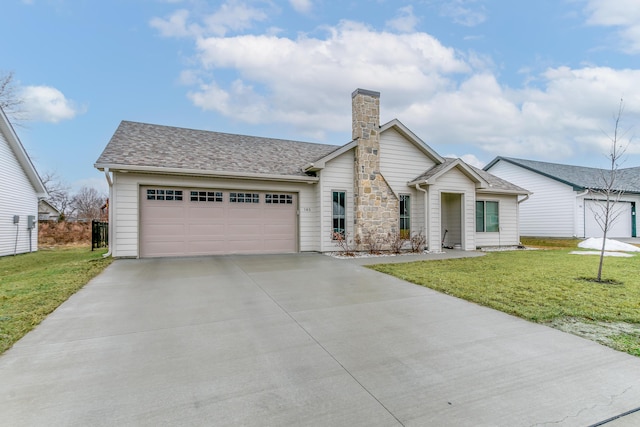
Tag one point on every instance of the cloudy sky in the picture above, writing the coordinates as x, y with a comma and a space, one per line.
473, 78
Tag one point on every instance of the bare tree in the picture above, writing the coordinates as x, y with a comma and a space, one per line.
10, 99
87, 203
59, 196
606, 211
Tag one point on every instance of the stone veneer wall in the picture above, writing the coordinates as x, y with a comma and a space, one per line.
376, 206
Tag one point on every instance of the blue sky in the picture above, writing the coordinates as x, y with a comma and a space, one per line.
473, 78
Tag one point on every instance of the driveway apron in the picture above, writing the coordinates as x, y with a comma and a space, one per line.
299, 339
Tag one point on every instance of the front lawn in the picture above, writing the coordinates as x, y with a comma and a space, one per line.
539, 285
33, 285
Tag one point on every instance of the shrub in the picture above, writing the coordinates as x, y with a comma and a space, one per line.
396, 242
373, 243
418, 241
342, 241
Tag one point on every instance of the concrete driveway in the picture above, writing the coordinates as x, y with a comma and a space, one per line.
299, 340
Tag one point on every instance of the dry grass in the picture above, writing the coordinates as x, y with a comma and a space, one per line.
52, 234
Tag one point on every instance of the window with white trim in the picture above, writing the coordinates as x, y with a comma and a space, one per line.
163, 194
338, 214
244, 197
405, 216
487, 216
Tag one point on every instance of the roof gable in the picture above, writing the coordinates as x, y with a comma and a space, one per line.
23, 158
156, 148
484, 180
413, 138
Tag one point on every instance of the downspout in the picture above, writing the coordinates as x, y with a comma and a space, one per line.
426, 214
110, 233
576, 213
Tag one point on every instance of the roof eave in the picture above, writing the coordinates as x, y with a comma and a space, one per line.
321, 163
207, 173
21, 154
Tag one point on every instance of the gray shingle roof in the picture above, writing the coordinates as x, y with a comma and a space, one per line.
142, 144
496, 183
580, 177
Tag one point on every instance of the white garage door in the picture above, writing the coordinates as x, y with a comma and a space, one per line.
621, 227
183, 222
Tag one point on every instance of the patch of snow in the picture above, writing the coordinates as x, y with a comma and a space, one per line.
618, 254
610, 245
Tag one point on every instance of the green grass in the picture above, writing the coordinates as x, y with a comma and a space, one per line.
629, 343
536, 285
33, 285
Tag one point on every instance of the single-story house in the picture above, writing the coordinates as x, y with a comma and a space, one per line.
20, 190
566, 200
178, 192
47, 212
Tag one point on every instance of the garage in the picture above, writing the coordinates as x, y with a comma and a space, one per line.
622, 226
194, 221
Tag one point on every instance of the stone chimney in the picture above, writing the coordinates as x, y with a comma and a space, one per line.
376, 206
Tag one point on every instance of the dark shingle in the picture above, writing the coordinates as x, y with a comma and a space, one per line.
142, 144
581, 177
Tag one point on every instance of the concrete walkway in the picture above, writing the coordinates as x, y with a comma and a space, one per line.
299, 340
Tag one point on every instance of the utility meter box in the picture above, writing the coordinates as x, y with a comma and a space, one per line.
16, 219
31, 222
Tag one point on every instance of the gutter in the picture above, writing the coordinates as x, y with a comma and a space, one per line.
200, 172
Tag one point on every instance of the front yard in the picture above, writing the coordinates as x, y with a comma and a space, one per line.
544, 286
32, 286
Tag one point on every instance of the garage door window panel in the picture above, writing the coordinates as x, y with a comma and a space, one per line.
206, 196
163, 194
278, 199
244, 198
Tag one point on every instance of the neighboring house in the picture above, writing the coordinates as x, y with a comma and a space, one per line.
47, 212
20, 190
176, 192
565, 199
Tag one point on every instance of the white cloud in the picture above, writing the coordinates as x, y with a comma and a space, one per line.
405, 22
231, 16
464, 12
175, 25
622, 14
301, 6
47, 104
469, 159
451, 99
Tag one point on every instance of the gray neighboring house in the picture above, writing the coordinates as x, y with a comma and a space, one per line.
565, 198
181, 192
47, 212
20, 190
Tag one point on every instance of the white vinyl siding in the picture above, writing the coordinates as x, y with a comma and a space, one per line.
17, 197
336, 176
508, 213
401, 162
126, 215
550, 211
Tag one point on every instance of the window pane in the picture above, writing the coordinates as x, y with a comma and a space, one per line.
405, 215
479, 217
339, 213
491, 217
